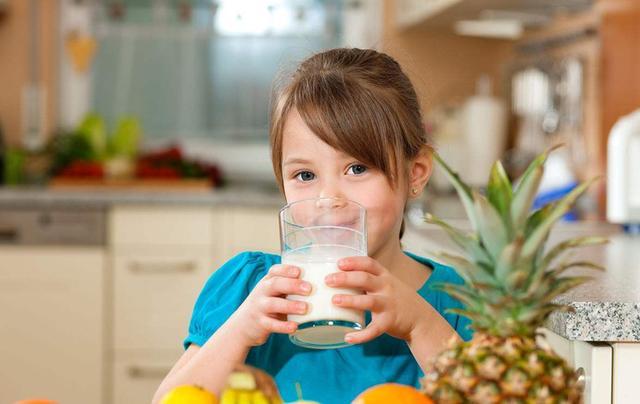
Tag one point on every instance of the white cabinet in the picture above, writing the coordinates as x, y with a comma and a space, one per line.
136, 376
161, 257
626, 366
51, 311
154, 293
251, 229
593, 363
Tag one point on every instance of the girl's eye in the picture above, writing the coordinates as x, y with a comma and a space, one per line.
305, 176
357, 169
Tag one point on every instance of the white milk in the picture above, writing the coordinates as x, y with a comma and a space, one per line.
314, 270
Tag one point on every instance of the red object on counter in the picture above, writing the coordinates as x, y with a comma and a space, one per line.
83, 169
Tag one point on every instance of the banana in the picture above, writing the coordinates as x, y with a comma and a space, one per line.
242, 388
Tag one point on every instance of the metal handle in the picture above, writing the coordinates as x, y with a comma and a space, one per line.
581, 379
162, 267
147, 372
8, 234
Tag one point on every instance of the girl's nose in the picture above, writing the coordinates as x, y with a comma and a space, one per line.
331, 191
331, 202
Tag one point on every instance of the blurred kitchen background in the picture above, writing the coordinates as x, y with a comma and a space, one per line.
134, 149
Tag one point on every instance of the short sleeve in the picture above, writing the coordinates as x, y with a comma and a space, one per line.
223, 293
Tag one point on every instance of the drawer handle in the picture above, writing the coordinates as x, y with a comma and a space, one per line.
8, 234
162, 267
142, 372
581, 379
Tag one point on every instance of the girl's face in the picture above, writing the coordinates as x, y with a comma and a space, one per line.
313, 169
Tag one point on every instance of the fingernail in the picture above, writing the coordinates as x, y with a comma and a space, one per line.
301, 308
337, 299
330, 279
293, 271
305, 287
348, 338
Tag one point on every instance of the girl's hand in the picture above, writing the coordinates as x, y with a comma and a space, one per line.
395, 307
264, 311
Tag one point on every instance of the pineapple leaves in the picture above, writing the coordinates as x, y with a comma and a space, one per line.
508, 259
562, 285
571, 243
555, 272
511, 283
499, 192
468, 242
539, 235
491, 227
463, 190
526, 191
465, 295
472, 274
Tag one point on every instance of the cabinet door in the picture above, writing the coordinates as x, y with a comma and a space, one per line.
136, 377
252, 229
626, 366
51, 305
154, 293
593, 363
144, 225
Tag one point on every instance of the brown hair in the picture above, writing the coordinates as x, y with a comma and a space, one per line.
358, 101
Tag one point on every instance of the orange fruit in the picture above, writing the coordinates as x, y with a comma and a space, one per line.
392, 393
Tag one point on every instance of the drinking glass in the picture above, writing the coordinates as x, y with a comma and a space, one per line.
314, 235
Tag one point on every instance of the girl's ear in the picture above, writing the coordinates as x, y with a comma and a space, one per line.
420, 171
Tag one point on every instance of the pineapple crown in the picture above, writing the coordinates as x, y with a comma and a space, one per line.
509, 281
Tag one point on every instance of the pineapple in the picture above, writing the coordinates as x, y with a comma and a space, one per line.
510, 282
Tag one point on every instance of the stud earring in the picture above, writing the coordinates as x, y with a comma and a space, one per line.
414, 191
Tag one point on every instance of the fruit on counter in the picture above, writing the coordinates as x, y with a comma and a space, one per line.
89, 144
83, 169
66, 148
189, 395
124, 141
392, 393
509, 286
93, 130
249, 385
171, 163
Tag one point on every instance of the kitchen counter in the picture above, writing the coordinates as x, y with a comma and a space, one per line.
606, 308
238, 195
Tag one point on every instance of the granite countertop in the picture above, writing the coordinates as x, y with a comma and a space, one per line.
41, 197
606, 308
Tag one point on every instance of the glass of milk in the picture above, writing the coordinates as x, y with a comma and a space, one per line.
314, 235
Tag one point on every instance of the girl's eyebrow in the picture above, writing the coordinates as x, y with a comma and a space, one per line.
296, 160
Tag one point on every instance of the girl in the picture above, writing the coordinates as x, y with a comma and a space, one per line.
347, 124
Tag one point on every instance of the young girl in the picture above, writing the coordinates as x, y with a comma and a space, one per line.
347, 125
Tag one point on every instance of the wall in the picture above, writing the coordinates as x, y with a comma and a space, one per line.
443, 66
14, 63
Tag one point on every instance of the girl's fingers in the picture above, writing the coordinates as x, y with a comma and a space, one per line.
354, 280
287, 271
372, 331
359, 302
278, 285
366, 264
278, 305
273, 325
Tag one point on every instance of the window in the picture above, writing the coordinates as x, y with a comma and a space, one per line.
204, 69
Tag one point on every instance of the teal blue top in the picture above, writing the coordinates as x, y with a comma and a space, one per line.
326, 376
